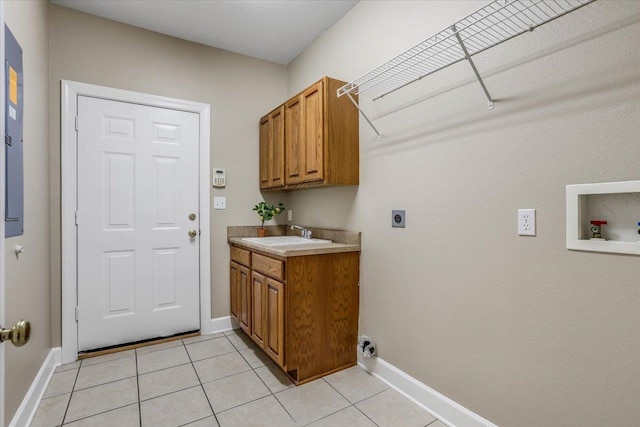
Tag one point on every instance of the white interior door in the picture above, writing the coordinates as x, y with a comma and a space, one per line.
138, 268
2, 213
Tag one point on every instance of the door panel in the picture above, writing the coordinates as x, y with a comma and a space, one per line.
138, 270
313, 133
265, 130
244, 316
274, 314
294, 146
277, 148
258, 313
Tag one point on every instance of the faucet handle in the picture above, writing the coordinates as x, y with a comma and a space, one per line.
309, 234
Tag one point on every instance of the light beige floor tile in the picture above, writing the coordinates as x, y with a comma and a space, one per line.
274, 378
256, 414
390, 409
162, 359
233, 331
256, 357
437, 423
200, 338
220, 367
312, 401
350, 417
240, 340
235, 390
106, 372
108, 357
207, 422
175, 409
128, 416
166, 381
156, 347
61, 383
102, 398
355, 384
51, 411
68, 366
209, 348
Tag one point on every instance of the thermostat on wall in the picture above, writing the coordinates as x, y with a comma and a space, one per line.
219, 178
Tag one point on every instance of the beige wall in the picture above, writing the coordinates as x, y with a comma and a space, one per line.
520, 330
27, 278
239, 89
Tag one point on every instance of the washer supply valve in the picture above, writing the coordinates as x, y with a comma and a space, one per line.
596, 229
366, 346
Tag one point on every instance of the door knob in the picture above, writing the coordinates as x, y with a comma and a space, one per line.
19, 334
193, 233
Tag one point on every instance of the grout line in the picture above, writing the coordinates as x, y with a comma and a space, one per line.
368, 417
135, 352
163, 369
105, 383
66, 410
226, 376
201, 386
99, 413
82, 364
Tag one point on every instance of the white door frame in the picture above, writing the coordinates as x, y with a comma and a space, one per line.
69, 99
2, 190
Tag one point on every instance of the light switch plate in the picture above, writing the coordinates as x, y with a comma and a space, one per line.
398, 218
219, 203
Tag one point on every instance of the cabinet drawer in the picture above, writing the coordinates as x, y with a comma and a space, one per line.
269, 266
241, 256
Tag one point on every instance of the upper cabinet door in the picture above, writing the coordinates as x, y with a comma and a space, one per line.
294, 147
313, 133
265, 126
272, 150
276, 171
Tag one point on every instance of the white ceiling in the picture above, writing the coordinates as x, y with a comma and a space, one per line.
274, 30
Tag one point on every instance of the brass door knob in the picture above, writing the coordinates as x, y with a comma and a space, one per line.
193, 233
19, 334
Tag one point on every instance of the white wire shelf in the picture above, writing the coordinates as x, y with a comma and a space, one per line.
493, 24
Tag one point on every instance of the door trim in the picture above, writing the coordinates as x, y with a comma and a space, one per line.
70, 91
2, 191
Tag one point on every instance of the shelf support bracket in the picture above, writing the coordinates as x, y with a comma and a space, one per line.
364, 115
473, 66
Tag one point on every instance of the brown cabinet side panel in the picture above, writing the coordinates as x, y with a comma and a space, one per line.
342, 148
322, 303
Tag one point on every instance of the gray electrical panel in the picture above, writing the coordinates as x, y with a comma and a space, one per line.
14, 107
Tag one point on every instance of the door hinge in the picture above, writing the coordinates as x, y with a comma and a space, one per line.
76, 217
77, 313
76, 123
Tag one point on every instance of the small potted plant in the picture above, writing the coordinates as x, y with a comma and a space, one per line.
267, 212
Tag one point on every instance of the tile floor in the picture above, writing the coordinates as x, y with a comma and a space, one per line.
215, 380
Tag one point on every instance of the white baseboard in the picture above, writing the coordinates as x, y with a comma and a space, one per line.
440, 406
221, 324
29, 404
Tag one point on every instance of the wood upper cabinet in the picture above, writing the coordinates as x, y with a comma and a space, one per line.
272, 150
321, 140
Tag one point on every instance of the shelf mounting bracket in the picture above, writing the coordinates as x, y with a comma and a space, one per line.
379, 138
473, 66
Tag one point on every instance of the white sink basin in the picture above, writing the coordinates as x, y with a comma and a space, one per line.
284, 240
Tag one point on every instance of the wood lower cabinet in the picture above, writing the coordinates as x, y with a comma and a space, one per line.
320, 140
303, 311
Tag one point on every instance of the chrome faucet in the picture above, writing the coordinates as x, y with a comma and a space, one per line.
305, 231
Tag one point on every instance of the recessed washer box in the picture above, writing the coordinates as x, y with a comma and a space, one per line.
618, 203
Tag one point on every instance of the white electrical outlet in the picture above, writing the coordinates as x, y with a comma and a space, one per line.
289, 215
527, 222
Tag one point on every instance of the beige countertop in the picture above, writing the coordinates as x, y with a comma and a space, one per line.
341, 241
